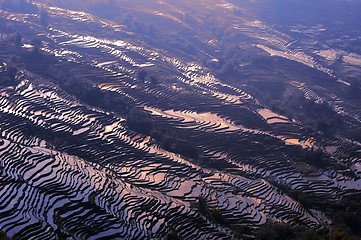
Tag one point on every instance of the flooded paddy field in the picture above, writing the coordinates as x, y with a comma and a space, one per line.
107, 134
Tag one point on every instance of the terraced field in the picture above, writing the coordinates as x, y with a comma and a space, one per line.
71, 169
